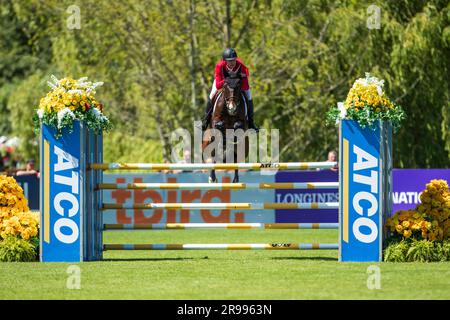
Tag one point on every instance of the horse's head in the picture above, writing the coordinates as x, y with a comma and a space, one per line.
232, 93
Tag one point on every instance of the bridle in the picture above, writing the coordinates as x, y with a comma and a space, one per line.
231, 98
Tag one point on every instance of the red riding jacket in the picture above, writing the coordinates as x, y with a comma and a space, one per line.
221, 73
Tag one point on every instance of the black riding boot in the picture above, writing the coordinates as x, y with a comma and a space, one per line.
251, 123
207, 116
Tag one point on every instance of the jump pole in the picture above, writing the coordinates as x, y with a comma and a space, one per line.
233, 226
220, 246
219, 186
72, 167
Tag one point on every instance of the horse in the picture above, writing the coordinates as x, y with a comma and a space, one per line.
229, 113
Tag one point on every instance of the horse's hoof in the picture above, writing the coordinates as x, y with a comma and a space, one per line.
211, 180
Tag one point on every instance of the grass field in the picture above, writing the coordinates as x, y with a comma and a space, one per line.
223, 274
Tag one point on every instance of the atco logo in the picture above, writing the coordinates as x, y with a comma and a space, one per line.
281, 245
270, 165
67, 179
365, 172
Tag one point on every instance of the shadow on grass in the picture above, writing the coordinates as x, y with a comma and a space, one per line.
306, 258
146, 259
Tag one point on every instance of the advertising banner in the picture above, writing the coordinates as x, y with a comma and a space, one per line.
409, 183
60, 217
360, 200
307, 196
124, 216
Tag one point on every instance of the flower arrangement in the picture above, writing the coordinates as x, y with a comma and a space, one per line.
71, 100
367, 103
423, 233
430, 220
12, 199
15, 216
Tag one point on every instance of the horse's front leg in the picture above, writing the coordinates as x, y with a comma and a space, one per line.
212, 176
236, 176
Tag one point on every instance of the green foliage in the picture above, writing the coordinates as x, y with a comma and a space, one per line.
13, 249
35, 242
157, 63
413, 250
422, 251
444, 251
94, 122
22, 103
367, 117
396, 251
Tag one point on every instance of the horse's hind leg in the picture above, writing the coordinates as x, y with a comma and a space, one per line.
236, 176
212, 176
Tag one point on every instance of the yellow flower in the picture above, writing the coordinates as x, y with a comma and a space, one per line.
415, 227
405, 224
407, 233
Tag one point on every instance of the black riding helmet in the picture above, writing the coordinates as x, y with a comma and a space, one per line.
229, 54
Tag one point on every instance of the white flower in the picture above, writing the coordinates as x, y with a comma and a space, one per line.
362, 81
374, 80
64, 113
98, 114
380, 91
55, 79
97, 84
51, 85
40, 113
342, 110
75, 91
368, 80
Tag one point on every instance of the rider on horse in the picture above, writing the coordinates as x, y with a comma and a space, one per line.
228, 65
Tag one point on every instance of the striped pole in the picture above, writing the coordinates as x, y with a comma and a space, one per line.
217, 166
209, 206
221, 186
245, 226
218, 246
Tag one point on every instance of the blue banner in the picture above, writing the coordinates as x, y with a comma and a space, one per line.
360, 202
60, 196
30, 186
409, 184
186, 196
307, 196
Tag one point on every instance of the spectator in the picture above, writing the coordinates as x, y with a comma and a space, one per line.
30, 169
186, 159
166, 171
332, 157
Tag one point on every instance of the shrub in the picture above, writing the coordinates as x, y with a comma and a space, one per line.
396, 251
13, 249
422, 251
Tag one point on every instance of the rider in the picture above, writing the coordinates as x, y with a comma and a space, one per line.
229, 63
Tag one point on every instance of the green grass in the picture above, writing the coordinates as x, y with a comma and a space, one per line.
223, 274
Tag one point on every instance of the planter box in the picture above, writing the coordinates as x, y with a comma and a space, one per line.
68, 233
365, 184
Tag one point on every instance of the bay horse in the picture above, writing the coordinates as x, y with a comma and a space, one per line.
229, 112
